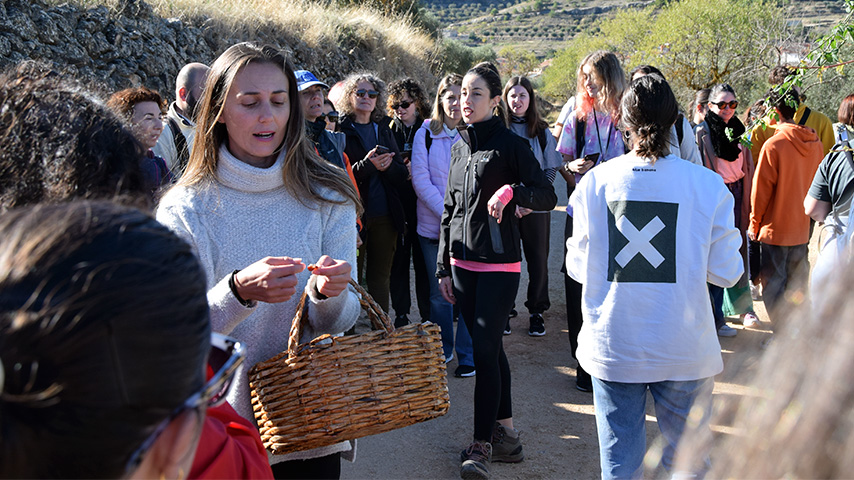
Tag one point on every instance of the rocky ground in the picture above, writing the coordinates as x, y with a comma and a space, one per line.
557, 421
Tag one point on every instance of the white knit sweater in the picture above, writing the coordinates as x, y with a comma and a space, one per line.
246, 215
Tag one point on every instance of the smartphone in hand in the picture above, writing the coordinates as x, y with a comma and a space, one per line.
382, 150
591, 157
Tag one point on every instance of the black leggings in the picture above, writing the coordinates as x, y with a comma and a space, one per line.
573, 290
485, 300
319, 468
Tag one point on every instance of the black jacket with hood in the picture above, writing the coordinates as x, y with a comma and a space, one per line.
489, 157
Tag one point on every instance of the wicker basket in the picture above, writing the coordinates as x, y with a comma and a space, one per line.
341, 388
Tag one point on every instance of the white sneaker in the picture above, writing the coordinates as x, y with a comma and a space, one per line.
727, 331
750, 320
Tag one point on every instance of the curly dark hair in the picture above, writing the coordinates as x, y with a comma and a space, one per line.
60, 141
408, 86
123, 101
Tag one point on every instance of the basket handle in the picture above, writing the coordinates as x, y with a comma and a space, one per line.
379, 318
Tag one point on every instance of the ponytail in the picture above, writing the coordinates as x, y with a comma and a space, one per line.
649, 109
489, 73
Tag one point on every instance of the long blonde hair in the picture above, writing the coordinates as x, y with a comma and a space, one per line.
437, 120
607, 68
304, 170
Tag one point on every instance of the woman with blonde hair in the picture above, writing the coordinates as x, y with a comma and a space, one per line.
431, 160
380, 173
590, 136
257, 204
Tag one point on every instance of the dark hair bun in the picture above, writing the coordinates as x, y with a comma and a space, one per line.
649, 109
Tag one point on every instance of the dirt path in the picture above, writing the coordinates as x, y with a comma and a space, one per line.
557, 421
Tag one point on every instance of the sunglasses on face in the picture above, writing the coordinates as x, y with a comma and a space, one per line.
403, 105
722, 105
331, 116
224, 359
370, 93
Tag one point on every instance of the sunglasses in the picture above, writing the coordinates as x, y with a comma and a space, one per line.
403, 105
225, 358
731, 104
370, 93
332, 116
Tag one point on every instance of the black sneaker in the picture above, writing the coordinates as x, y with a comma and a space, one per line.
583, 382
507, 330
538, 326
513, 313
475, 461
504, 447
464, 371
401, 321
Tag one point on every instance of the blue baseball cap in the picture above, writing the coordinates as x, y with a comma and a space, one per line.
307, 79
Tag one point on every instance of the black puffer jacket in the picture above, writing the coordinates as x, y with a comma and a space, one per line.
489, 157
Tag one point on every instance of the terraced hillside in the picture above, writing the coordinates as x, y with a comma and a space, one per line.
546, 25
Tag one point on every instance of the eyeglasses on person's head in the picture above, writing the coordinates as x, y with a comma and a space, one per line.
733, 104
225, 358
370, 93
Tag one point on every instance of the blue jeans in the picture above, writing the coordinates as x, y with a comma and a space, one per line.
621, 421
442, 312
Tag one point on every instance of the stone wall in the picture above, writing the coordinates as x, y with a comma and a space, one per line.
129, 44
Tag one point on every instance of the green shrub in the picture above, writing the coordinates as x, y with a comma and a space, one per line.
456, 57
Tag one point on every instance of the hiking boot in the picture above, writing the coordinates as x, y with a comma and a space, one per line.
538, 326
506, 448
464, 371
475, 461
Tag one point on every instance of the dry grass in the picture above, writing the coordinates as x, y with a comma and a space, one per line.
320, 24
317, 23
329, 39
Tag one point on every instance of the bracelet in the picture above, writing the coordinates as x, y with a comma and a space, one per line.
233, 287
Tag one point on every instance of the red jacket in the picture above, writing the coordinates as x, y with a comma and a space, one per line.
229, 447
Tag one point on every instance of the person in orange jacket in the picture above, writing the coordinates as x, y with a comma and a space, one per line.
787, 163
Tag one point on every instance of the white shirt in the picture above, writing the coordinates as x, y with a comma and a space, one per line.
646, 239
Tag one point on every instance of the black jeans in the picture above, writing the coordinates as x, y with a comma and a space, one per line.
485, 300
535, 229
408, 247
784, 270
320, 468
